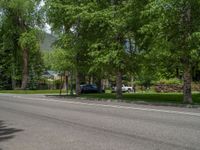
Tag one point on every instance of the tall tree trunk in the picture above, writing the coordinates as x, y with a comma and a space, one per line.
13, 78
91, 79
119, 84
100, 85
25, 72
71, 83
66, 82
78, 88
61, 84
187, 90
177, 73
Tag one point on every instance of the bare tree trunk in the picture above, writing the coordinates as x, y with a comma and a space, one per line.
78, 88
119, 85
71, 83
13, 78
25, 73
100, 86
187, 90
61, 84
177, 73
91, 79
66, 82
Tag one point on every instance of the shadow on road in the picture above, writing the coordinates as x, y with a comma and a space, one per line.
7, 133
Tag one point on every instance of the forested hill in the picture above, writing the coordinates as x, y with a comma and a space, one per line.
48, 40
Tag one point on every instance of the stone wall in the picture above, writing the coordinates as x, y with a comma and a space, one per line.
167, 88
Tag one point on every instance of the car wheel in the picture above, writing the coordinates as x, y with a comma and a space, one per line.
129, 90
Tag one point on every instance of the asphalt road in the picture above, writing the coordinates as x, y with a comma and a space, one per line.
36, 122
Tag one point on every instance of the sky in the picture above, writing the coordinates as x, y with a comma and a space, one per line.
47, 27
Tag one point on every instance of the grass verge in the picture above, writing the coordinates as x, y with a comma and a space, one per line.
174, 98
30, 91
160, 98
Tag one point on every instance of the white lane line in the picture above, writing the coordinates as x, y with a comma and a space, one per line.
114, 106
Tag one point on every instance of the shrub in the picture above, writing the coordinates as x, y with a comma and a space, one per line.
173, 81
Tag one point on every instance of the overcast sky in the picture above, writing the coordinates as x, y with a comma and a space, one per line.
47, 27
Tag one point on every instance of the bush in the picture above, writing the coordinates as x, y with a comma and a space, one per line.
173, 81
196, 86
168, 85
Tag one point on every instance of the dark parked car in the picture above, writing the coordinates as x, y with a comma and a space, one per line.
89, 88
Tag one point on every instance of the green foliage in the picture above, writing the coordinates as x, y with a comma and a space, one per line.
169, 81
19, 24
174, 25
96, 31
30, 40
59, 60
149, 39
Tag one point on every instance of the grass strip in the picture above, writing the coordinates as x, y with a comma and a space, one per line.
175, 98
30, 91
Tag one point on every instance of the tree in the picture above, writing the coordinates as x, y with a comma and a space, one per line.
71, 29
21, 17
97, 31
119, 49
34, 63
5, 68
174, 24
61, 61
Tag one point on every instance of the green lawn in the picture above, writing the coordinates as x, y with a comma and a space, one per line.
30, 91
175, 98
147, 97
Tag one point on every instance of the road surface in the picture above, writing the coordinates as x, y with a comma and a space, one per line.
36, 122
